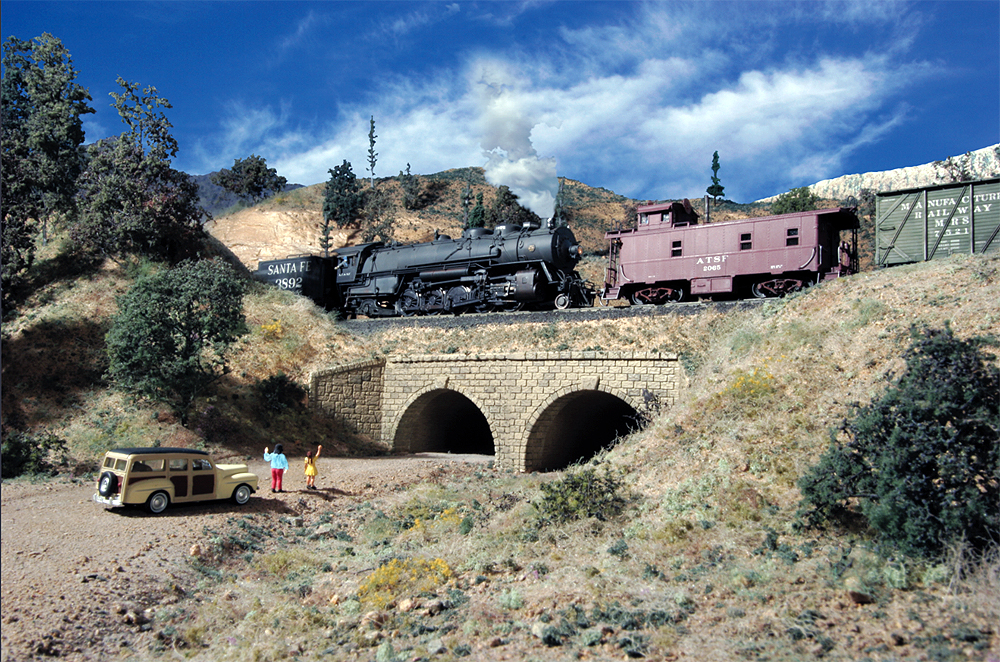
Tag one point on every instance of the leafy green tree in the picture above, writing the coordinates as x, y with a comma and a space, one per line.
796, 199
477, 217
132, 201
411, 188
250, 178
716, 189
922, 461
342, 203
41, 131
169, 338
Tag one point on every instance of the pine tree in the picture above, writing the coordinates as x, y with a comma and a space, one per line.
716, 189
477, 216
372, 154
342, 204
411, 188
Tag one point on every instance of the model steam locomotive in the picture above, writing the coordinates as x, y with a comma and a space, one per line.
669, 257
506, 268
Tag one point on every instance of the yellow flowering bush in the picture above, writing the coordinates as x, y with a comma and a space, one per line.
401, 578
272, 330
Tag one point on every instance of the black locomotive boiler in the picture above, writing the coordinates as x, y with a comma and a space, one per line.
506, 268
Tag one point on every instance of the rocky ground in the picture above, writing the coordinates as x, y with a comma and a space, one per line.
80, 581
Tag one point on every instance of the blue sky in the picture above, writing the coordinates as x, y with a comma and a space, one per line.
633, 97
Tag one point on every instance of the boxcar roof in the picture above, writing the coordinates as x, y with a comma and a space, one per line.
938, 187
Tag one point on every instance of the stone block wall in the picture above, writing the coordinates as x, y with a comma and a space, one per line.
352, 393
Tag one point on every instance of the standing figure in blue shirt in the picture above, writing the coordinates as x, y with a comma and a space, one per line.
278, 465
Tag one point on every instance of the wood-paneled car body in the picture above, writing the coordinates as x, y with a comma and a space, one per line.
157, 477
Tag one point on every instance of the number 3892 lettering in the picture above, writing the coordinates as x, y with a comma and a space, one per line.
289, 283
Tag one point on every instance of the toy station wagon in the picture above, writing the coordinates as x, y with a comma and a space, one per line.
157, 477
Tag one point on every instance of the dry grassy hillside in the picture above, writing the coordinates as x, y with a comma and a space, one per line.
706, 562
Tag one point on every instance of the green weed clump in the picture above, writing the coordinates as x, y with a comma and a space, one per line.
582, 493
399, 578
921, 463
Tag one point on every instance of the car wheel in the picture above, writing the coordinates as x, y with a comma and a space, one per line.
108, 484
242, 494
158, 502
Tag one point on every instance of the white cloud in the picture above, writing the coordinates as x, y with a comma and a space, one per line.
638, 107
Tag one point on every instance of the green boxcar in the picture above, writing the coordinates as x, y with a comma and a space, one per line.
937, 221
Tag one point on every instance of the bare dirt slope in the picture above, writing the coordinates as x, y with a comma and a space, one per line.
78, 579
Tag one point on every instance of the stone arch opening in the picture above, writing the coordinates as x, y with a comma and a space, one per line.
576, 427
444, 421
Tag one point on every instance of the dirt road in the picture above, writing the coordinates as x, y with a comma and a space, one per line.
77, 578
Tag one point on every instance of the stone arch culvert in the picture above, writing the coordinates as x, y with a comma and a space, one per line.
533, 411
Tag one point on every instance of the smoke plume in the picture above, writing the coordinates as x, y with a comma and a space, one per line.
506, 130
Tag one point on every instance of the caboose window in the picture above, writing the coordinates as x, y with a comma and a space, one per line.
675, 250
792, 237
745, 242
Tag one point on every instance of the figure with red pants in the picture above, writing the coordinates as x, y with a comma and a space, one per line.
278, 465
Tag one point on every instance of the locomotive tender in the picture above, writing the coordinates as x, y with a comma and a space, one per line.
668, 256
505, 268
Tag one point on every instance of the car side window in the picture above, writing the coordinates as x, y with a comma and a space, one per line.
155, 465
201, 465
121, 464
179, 464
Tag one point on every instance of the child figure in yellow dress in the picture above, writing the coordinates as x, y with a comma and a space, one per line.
311, 468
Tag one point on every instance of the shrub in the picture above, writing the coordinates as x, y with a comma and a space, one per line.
28, 453
796, 199
922, 461
583, 493
279, 392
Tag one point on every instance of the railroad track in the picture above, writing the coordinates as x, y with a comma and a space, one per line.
365, 325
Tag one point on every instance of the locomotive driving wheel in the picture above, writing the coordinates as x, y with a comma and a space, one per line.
434, 303
408, 304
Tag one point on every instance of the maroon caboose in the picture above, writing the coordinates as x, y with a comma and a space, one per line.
668, 256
